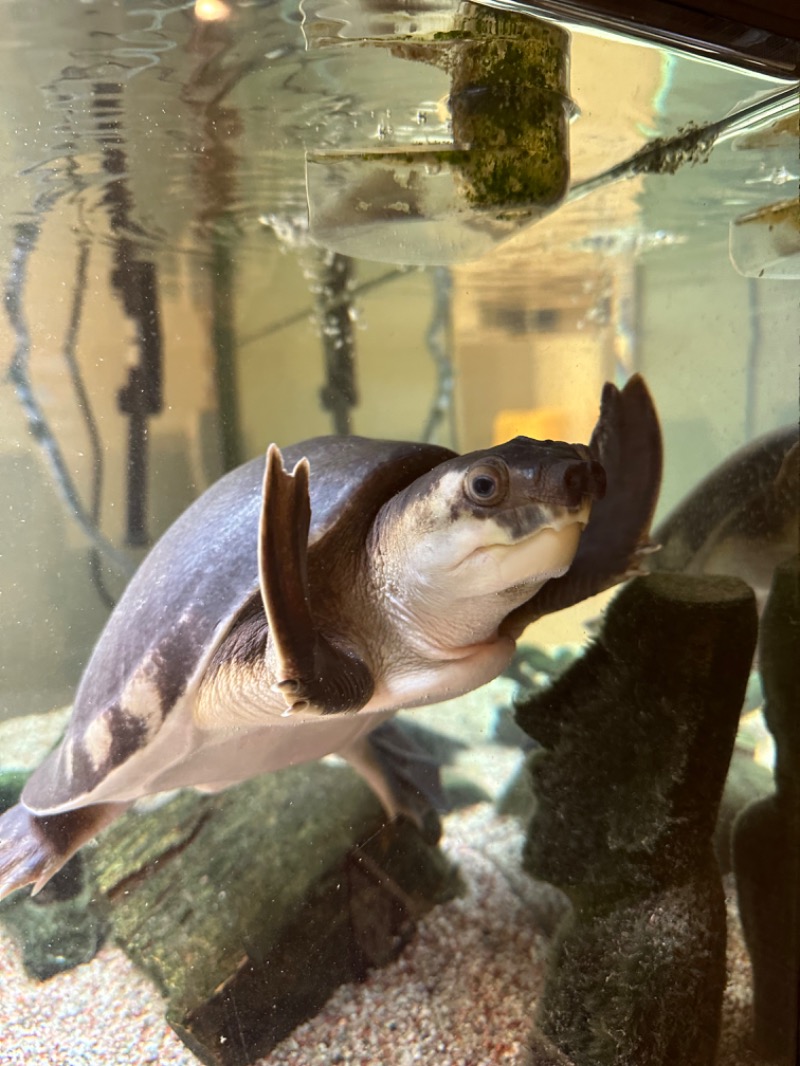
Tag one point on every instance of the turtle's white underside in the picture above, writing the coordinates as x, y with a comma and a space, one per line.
233, 749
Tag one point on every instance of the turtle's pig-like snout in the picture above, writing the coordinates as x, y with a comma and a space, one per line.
574, 481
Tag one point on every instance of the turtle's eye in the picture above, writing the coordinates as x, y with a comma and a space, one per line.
487, 483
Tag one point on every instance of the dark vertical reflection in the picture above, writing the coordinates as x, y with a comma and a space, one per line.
135, 281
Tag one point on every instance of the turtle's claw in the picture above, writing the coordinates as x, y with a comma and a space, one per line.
296, 708
292, 689
289, 686
648, 547
637, 566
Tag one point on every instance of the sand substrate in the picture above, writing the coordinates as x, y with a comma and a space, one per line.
463, 992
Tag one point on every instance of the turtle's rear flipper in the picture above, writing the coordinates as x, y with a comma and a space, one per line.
311, 674
404, 777
34, 848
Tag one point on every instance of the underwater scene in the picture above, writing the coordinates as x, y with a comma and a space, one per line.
399, 488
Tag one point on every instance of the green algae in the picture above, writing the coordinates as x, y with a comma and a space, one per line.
508, 102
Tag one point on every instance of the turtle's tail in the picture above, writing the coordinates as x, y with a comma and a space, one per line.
34, 847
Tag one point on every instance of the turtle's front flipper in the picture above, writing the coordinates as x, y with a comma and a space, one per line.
403, 776
310, 672
33, 848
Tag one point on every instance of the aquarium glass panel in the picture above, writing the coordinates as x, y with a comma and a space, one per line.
324, 226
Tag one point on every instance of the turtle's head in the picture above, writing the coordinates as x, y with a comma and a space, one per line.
497, 523
508, 516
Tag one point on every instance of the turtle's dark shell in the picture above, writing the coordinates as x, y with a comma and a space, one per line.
180, 602
742, 518
744, 495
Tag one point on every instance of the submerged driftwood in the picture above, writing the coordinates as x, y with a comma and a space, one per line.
638, 735
249, 908
766, 835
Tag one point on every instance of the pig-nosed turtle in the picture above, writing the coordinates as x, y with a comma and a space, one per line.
742, 519
274, 625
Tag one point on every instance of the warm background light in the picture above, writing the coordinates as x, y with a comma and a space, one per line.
211, 10
540, 423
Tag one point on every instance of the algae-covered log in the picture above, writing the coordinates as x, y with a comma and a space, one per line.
766, 835
249, 908
472, 135
638, 735
508, 107
508, 101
